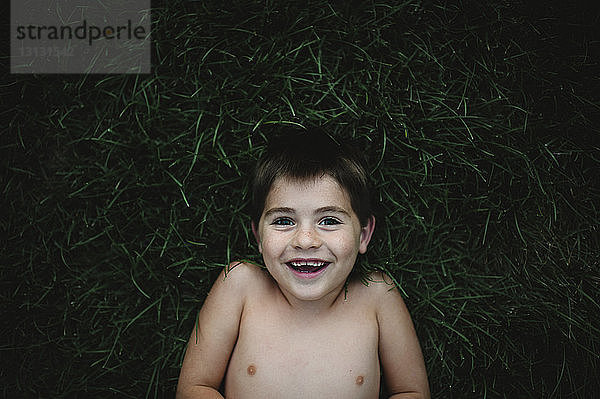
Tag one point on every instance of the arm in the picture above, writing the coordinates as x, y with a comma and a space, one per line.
399, 350
213, 337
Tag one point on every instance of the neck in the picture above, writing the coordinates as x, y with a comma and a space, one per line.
316, 307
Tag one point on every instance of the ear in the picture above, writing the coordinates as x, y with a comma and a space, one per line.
365, 234
256, 236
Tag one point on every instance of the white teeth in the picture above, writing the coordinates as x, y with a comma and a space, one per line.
308, 263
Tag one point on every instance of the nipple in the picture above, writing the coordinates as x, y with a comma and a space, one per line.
251, 369
360, 380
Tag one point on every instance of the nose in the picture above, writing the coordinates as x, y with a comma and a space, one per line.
306, 238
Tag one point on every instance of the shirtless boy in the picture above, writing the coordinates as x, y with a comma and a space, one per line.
304, 328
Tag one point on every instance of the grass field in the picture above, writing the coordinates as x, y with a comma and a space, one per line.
124, 196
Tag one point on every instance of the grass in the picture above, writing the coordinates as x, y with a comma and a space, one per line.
124, 196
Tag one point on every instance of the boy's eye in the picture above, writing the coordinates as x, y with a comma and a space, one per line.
329, 222
283, 222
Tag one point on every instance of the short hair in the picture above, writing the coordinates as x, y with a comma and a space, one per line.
306, 154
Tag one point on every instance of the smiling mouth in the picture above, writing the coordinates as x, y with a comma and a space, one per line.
307, 267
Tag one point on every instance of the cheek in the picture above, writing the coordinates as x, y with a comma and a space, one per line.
271, 245
346, 245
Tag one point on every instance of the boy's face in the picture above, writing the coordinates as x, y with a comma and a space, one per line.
309, 236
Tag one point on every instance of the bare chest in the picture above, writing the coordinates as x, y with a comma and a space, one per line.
278, 357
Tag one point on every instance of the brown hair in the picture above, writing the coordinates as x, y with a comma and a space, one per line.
305, 154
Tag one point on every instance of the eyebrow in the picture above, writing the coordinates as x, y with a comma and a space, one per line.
324, 209
278, 210
332, 209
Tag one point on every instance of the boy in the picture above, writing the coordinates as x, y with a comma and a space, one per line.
305, 328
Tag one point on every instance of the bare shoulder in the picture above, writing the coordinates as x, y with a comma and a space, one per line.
378, 292
399, 349
216, 330
242, 270
243, 276
380, 281
378, 287
237, 282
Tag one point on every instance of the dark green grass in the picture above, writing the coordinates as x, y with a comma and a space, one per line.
123, 196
